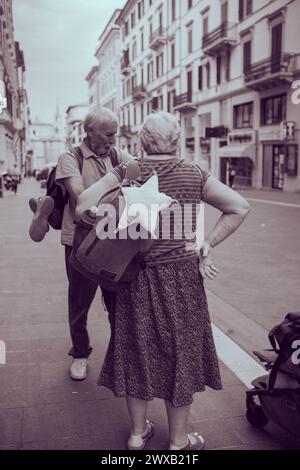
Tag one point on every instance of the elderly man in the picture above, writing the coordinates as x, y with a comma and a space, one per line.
97, 155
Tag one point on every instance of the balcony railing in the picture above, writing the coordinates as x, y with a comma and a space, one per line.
139, 92
125, 63
271, 72
184, 102
222, 37
125, 131
158, 38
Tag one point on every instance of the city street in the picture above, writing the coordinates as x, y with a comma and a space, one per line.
41, 408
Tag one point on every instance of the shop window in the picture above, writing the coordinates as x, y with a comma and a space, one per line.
291, 161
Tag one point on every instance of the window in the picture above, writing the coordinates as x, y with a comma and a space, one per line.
243, 116
142, 40
207, 75
173, 7
173, 54
224, 12
245, 9
273, 110
205, 25
134, 51
132, 19
150, 72
154, 103
189, 4
134, 115
291, 161
142, 112
128, 116
247, 56
126, 28
219, 67
142, 75
150, 27
200, 77
227, 66
190, 37
159, 65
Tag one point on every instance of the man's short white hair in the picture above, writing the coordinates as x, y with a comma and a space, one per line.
103, 115
160, 133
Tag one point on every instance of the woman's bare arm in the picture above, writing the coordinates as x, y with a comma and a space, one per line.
233, 206
91, 196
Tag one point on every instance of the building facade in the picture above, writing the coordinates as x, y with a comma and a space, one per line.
14, 117
226, 67
48, 141
238, 67
108, 55
75, 116
93, 88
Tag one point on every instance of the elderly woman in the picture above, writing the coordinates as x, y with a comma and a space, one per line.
161, 344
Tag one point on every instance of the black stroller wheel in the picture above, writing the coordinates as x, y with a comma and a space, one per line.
255, 415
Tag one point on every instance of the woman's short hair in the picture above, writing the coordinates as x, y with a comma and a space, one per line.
160, 133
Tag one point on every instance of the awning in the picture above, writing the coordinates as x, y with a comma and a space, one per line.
238, 151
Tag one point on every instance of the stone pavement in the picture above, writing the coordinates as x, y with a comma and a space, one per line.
40, 407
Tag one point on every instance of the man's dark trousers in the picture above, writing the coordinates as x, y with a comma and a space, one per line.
80, 297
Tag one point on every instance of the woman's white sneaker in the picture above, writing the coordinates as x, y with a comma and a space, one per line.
78, 369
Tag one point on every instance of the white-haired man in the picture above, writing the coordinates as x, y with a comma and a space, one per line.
76, 171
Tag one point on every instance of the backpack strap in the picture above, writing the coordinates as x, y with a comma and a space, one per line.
113, 155
79, 157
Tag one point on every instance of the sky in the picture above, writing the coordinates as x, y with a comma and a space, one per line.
59, 39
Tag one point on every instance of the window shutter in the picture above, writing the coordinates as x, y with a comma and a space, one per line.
241, 10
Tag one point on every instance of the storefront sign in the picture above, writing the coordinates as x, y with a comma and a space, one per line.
217, 131
242, 137
266, 135
287, 130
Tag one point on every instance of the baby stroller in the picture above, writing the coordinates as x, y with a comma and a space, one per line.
278, 392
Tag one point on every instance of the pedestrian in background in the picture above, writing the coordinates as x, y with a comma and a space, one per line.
161, 342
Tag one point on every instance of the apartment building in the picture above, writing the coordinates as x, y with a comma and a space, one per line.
226, 69
75, 116
108, 55
47, 141
236, 82
150, 65
13, 121
93, 88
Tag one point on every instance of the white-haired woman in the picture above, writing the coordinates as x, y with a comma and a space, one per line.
162, 344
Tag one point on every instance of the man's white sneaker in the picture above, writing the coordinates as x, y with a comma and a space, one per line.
78, 369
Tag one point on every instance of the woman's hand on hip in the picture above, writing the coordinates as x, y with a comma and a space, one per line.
206, 265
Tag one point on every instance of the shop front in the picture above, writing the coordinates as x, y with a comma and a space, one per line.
237, 159
279, 159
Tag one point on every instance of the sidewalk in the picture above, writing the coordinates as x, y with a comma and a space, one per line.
271, 195
40, 407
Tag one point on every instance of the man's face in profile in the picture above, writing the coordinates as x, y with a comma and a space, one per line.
101, 137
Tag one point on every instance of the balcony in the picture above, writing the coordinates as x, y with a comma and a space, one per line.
220, 39
139, 93
125, 131
125, 63
158, 38
183, 103
271, 72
